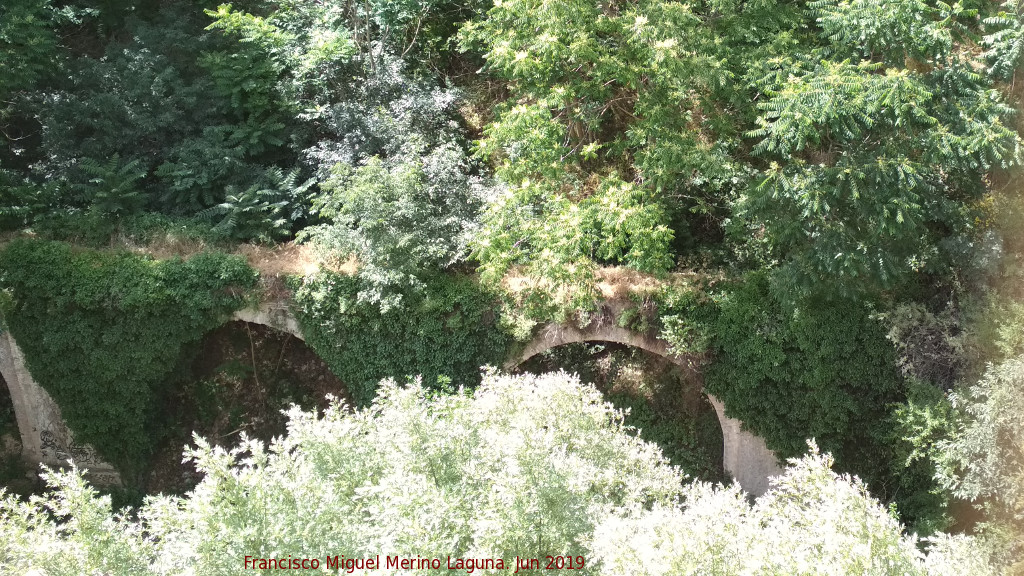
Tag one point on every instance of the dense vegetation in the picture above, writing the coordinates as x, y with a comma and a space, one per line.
104, 333
443, 334
825, 195
525, 467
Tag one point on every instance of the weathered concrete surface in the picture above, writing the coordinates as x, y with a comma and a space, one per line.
45, 438
276, 315
744, 456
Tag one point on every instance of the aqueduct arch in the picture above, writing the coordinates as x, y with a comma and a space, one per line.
46, 438
744, 456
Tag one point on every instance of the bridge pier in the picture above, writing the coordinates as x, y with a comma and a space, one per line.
45, 438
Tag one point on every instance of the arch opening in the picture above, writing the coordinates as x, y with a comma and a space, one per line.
745, 456
665, 403
12, 465
240, 378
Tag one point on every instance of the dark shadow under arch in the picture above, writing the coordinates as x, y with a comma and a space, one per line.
665, 402
745, 456
241, 377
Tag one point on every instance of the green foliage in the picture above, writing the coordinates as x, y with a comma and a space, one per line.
824, 372
447, 329
301, 48
869, 164
686, 317
892, 31
265, 211
597, 84
845, 144
930, 346
558, 243
827, 371
390, 110
398, 188
918, 429
401, 219
527, 466
1004, 41
28, 44
22, 201
245, 80
102, 332
111, 188
983, 458
877, 140
812, 521
142, 101
606, 119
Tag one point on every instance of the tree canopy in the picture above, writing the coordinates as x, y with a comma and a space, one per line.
815, 202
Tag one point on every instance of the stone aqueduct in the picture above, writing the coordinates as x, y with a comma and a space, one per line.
45, 438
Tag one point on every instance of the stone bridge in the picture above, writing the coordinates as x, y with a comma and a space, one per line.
45, 438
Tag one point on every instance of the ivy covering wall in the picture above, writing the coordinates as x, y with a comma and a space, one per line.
826, 371
102, 332
448, 331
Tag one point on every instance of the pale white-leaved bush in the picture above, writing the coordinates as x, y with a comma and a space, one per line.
526, 466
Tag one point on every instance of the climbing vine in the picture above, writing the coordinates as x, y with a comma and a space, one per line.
444, 333
103, 332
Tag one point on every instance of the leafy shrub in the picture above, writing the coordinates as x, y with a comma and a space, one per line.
983, 457
265, 211
686, 318
102, 332
811, 518
402, 219
862, 149
558, 243
22, 201
916, 432
527, 467
399, 190
28, 45
929, 346
448, 329
111, 187
389, 112
826, 370
142, 100
1004, 41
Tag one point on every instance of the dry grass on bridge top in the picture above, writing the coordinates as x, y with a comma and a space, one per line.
276, 261
619, 283
271, 260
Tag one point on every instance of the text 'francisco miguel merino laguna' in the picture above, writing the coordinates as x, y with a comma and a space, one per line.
470, 565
